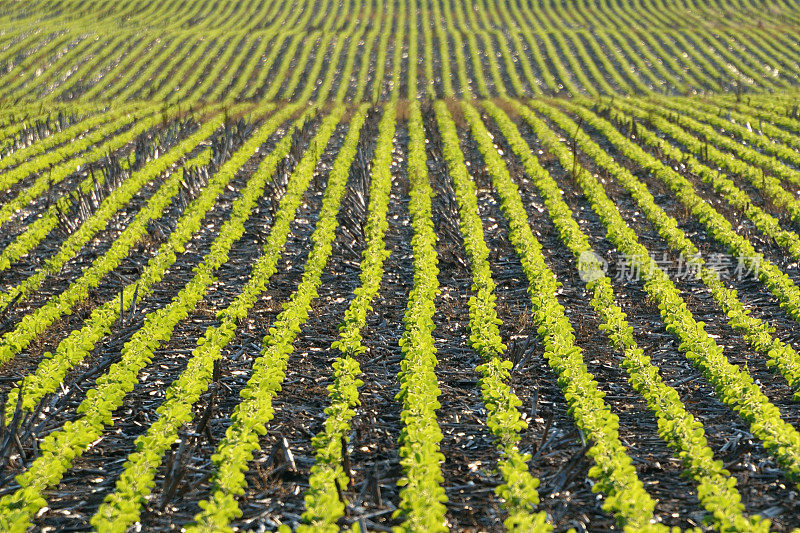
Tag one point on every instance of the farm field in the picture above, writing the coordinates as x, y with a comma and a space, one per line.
405, 266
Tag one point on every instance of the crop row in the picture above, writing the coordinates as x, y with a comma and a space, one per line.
254, 410
716, 489
733, 385
266, 50
755, 331
327, 479
518, 489
630, 142
80, 343
99, 219
61, 447
122, 508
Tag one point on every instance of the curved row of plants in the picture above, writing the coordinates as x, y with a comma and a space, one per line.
60, 448
716, 488
58, 139
80, 343
748, 127
766, 164
61, 161
518, 489
100, 218
722, 184
322, 501
490, 48
123, 507
735, 387
705, 149
757, 333
58, 173
254, 410
626, 497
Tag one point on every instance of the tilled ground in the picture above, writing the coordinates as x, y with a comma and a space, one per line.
278, 476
